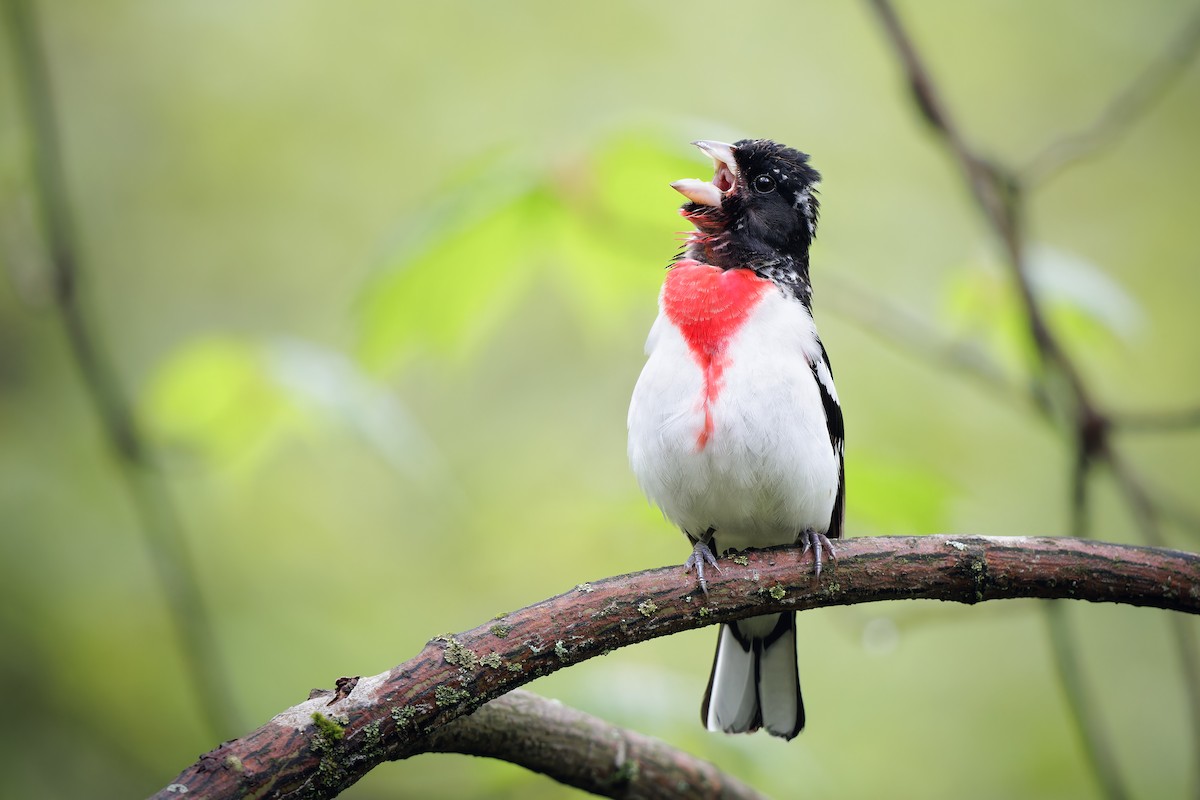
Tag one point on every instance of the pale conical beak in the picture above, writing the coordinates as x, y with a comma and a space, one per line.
702, 193
724, 180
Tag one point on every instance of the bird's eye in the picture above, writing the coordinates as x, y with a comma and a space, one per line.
764, 183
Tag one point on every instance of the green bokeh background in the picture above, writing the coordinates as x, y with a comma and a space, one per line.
379, 276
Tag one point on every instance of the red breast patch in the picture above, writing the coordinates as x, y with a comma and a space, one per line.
709, 305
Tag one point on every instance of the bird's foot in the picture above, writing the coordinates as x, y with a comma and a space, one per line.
817, 542
701, 554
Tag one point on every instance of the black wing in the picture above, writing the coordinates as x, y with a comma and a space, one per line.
837, 437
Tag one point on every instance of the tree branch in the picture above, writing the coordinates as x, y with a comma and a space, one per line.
580, 750
321, 746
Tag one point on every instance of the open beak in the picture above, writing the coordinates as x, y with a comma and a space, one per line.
724, 179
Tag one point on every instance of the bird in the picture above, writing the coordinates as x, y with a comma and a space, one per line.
735, 427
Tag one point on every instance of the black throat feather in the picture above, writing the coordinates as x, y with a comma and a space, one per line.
727, 246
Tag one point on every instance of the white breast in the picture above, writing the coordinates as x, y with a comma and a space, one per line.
767, 471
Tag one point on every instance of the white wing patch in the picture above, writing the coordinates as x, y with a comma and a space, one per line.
826, 378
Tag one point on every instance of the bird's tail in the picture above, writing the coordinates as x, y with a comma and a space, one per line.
755, 682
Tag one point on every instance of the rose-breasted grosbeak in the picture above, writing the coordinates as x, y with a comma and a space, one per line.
735, 431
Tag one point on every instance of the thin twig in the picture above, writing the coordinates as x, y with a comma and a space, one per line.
1126, 108
1146, 517
897, 325
1157, 422
994, 188
163, 532
1085, 710
391, 716
1000, 195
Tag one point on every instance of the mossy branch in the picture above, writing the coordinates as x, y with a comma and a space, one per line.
406, 710
580, 750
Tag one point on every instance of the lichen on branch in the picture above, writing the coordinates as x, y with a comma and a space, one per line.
393, 715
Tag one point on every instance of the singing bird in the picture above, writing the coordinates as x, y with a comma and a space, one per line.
735, 430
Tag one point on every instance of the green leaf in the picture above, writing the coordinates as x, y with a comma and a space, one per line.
213, 397
620, 225
226, 399
1081, 303
601, 226
1087, 305
449, 296
327, 384
980, 304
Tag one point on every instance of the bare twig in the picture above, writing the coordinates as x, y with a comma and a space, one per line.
1086, 712
164, 536
995, 190
1126, 108
1155, 422
391, 716
1000, 194
1146, 516
901, 327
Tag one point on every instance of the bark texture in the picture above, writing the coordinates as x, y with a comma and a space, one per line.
321, 746
583, 751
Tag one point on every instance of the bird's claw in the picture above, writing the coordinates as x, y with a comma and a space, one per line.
701, 554
817, 542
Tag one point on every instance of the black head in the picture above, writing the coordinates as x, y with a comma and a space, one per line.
760, 210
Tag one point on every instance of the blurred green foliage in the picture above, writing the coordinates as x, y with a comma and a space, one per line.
380, 275
1085, 306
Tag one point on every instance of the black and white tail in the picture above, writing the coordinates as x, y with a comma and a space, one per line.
755, 682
